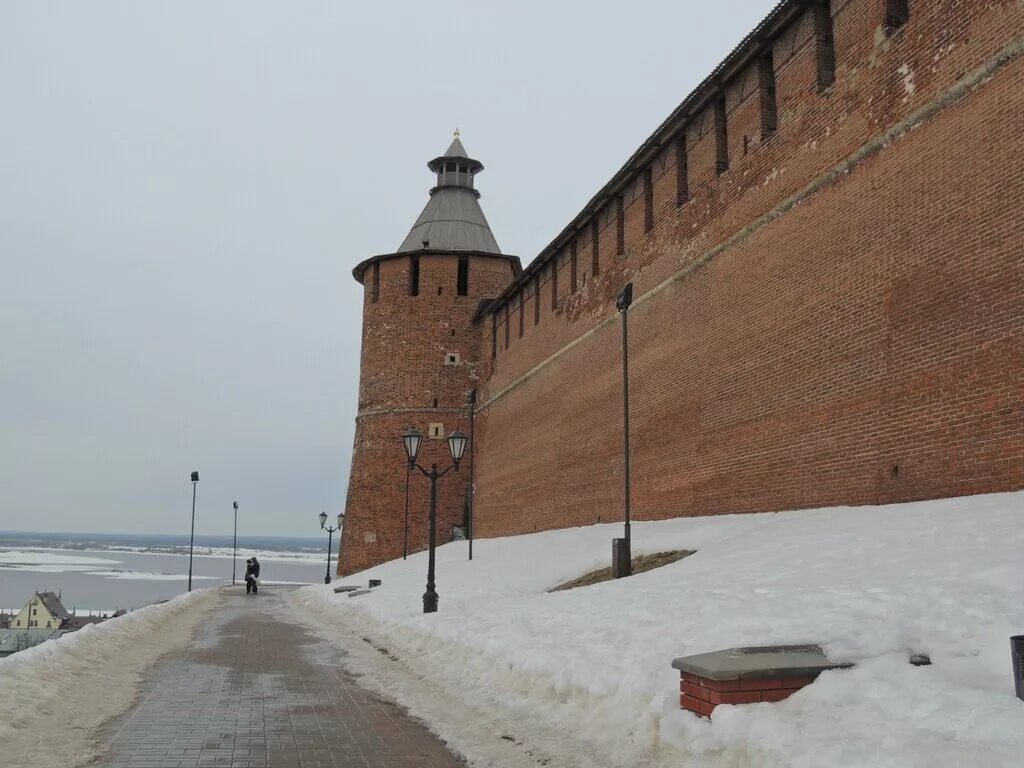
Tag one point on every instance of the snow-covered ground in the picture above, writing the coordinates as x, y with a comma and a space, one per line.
870, 584
55, 695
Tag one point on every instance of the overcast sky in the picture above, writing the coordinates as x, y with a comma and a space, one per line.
186, 186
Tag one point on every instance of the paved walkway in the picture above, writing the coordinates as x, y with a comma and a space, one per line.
254, 690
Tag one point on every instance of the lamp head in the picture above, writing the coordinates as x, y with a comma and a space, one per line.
412, 438
235, 505
341, 518
195, 477
625, 298
323, 519
457, 446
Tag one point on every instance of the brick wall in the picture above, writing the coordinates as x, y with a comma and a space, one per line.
801, 336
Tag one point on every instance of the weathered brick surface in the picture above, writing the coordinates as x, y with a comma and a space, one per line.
800, 336
405, 381
865, 345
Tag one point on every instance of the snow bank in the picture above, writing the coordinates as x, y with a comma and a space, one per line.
54, 696
870, 584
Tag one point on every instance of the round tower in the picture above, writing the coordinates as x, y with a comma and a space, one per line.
418, 365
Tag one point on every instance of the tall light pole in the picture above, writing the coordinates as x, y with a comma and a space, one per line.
234, 557
622, 556
405, 530
192, 536
472, 466
412, 438
330, 534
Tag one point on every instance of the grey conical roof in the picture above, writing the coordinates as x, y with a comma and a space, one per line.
456, 149
452, 219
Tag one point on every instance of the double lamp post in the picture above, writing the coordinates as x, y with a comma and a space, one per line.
411, 439
330, 533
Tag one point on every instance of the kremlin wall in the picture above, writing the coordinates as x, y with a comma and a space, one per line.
826, 242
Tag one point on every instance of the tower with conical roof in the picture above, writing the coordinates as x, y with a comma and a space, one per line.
418, 364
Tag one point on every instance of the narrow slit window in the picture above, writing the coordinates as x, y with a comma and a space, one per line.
595, 265
536, 298
463, 287
375, 288
721, 137
897, 13
620, 225
682, 172
824, 45
572, 266
522, 315
507, 324
648, 199
554, 282
414, 275
766, 82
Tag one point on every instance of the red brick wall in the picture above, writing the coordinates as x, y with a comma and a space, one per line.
402, 371
800, 337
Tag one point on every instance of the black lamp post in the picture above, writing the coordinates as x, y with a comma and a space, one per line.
405, 530
472, 465
192, 536
330, 535
622, 556
234, 556
412, 438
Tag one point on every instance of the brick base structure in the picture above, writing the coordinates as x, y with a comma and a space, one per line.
702, 695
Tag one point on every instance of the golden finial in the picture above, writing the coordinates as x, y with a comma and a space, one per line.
456, 133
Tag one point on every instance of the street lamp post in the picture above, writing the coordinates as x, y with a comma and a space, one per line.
234, 557
192, 535
472, 466
622, 560
412, 438
330, 534
405, 530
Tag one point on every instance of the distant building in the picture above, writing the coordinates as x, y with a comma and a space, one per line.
43, 611
43, 618
14, 640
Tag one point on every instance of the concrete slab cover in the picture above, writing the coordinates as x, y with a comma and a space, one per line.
758, 662
345, 588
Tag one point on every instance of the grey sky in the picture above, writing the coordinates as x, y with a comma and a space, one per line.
185, 187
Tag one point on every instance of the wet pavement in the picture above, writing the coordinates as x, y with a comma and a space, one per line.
255, 690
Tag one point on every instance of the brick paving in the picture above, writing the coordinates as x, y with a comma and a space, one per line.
254, 690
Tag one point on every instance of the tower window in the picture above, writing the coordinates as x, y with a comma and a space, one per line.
682, 173
463, 276
414, 275
572, 266
451, 358
766, 82
554, 283
375, 287
620, 226
648, 199
897, 13
536, 298
721, 137
825, 57
436, 431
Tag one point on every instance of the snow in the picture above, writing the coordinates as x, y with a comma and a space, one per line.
870, 584
53, 697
